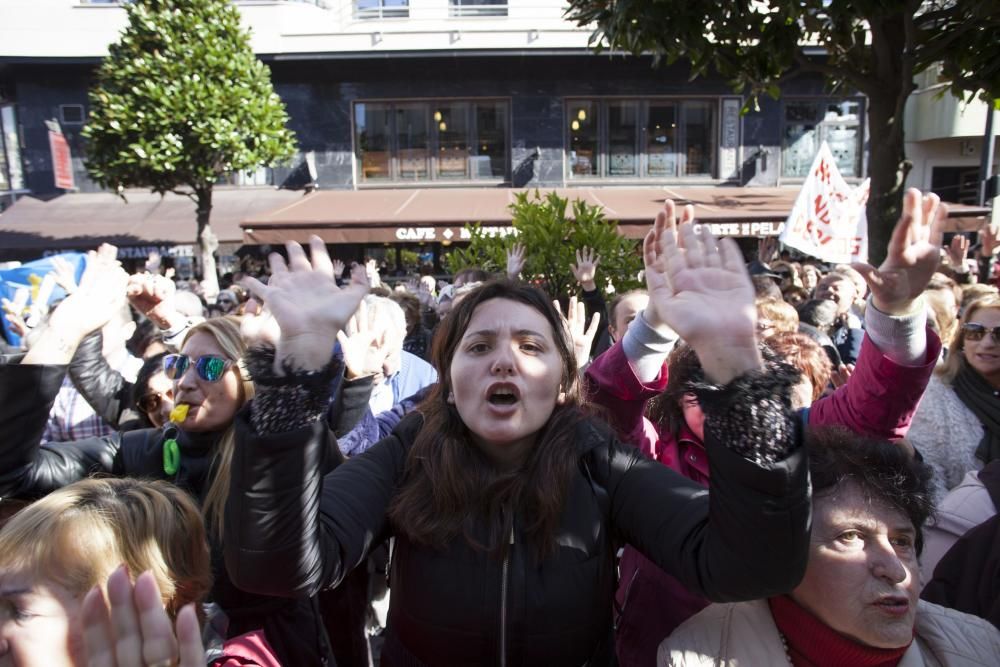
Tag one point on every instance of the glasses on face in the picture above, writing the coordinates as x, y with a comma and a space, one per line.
210, 367
976, 332
151, 402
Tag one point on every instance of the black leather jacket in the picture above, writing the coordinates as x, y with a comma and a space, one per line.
291, 531
30, 470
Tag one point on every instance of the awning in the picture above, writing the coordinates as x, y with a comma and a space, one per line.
81, 221
440, 214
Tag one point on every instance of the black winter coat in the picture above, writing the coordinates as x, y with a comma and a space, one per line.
30, 470
292, 531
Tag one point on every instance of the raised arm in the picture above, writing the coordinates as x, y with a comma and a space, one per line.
899, 351
759, 484
280, 537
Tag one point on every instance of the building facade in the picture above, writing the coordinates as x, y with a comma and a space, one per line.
441, 93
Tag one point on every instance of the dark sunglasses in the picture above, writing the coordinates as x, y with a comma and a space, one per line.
151, 402
976, 332
210, 367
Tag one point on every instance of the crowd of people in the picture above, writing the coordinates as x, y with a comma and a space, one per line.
763, 463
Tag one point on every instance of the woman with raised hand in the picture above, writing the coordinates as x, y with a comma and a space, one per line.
193, 450
508, 503
897, 358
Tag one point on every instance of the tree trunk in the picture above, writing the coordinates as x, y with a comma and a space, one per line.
887, 164
207, 244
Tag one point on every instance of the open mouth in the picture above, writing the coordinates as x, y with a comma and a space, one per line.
502, 395
896, 606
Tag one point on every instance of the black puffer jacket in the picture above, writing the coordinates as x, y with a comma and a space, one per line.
30, 470
290, 531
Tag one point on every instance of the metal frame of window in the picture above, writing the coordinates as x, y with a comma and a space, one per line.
395, 176
476, 8
601, 108
381, 11
823, 100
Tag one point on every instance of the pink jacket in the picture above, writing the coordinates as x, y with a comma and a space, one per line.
878, 401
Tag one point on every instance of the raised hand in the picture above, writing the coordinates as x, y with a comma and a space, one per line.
957, 250
338, 269
100, 293
361, 346
989, 239
841, 374
135, 630
913, 254
700, 288
64, 274
306, 304
153, 296
515, 261
15, 319
766, 249
582, 335
585, 269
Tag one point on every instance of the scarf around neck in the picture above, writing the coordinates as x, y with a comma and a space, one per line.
979, 396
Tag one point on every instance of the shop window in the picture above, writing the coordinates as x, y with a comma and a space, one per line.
381, 9
453, 140
477, 7
808, 123
642, 138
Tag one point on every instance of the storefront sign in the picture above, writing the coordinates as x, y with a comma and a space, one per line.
730, 145
143, 251
757, 229
828, 218
62, 160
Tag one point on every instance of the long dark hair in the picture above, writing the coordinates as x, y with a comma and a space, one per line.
451, 487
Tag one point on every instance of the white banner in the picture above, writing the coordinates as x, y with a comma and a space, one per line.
828, 220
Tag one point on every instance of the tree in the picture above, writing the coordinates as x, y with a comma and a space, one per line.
180, 101
873, 46
551, 240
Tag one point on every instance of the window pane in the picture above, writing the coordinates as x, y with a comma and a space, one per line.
451, 123
801, 139
623, 123
372, 133
381, 9
699, 138
477, 7
411, 138
841, 130
582, 121
490, 150
661, 140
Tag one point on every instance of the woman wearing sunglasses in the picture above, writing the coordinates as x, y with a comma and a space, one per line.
194, 452
957, 426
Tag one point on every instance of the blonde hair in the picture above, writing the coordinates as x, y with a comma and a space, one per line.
956, 352
77, 536
226, 332
782, 314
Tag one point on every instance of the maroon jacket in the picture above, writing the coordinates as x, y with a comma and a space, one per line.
878, 401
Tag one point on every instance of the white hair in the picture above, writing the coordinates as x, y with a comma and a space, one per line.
385, 316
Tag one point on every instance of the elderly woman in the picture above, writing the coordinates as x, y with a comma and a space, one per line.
957, 427
193, 451
858, 603
506, 502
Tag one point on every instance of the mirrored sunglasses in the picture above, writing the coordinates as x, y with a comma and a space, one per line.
209, 367
976, 332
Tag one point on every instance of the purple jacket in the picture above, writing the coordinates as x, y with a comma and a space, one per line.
878, 401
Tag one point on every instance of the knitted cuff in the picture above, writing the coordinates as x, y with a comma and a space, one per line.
752, 415
902, 338
645, 348
290, 401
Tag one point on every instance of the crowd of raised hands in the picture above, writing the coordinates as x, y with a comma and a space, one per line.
699, 292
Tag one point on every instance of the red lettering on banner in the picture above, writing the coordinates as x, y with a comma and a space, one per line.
823, 172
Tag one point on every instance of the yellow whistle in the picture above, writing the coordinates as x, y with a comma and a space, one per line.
179, 413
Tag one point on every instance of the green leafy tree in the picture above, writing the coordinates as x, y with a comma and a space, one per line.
180, 101
551, 239
872, 46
